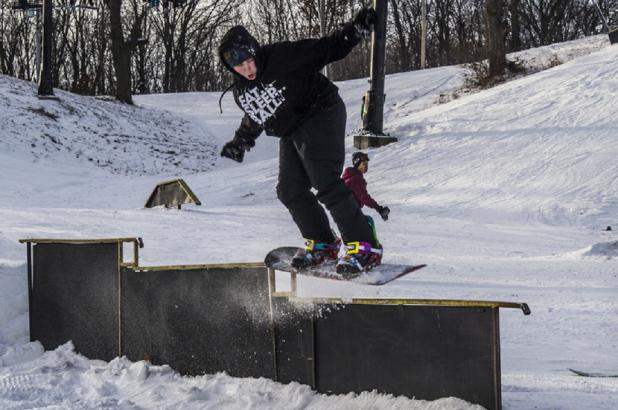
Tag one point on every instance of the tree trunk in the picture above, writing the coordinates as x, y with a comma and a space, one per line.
404, 55
443, 15
121, 53
46, 81
168, 42
142, 57
515, 26
101, 49
496, 51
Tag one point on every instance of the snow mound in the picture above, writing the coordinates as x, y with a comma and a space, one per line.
607, 250
124, 384
121, 138
13, 305
21, 353
597, 251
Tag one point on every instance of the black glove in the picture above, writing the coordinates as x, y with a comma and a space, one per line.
384, 211
365, 21
233, 150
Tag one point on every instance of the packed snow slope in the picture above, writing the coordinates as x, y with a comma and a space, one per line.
506, 194
116, 137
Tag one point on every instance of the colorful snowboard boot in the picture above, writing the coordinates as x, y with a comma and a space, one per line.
358, 257
315, 253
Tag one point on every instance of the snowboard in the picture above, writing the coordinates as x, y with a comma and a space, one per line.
593, 374
281, 258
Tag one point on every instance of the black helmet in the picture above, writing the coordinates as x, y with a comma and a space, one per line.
237, 54
237, 46
359, 157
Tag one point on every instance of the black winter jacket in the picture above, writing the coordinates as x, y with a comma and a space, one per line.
288, 86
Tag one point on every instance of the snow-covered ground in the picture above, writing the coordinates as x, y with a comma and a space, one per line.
505, 194
117, 137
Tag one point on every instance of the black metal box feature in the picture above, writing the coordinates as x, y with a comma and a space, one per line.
199, 320
74, 296
211, 318
427, 352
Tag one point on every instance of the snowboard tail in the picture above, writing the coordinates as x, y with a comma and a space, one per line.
281, 258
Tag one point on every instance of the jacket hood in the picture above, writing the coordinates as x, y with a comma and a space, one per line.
350, 172
239, 36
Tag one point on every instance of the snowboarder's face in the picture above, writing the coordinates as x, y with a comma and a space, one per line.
247, 69
363, 166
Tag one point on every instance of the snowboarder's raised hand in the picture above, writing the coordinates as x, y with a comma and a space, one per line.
365, 21
384, 211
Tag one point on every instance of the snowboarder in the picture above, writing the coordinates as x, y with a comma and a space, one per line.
354, 179
282, 92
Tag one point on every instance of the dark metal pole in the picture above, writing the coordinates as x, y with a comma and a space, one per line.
373, 115
46, 87
372, 134
30, 287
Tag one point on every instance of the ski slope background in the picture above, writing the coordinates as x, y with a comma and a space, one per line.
506, 194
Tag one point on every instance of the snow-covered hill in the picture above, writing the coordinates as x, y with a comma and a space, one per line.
116, 137
504, 193
541, 148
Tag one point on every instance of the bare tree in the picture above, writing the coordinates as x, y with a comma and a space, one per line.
121, 52
122, 47
496, 50
188, 36
515, 13
402, 39
14, 26
443, 14
98, 52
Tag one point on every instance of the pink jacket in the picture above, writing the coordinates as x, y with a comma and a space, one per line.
354, 180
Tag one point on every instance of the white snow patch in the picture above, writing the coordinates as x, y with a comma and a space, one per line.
124, 384
21, 353
120, 138
605, 250
13, 306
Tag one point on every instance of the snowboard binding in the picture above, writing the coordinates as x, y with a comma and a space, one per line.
315, 253
358, 257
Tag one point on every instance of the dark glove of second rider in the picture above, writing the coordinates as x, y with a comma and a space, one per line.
384, 211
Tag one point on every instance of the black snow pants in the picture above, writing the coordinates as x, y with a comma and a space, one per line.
312, 157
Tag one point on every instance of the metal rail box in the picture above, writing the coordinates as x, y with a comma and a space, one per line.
230, 317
